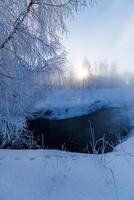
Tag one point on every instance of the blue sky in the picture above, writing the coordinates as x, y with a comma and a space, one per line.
104, 32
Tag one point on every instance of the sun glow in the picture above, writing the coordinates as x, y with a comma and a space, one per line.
82, 73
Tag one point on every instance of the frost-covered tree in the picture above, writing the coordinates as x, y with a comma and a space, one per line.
30, 33
30, 29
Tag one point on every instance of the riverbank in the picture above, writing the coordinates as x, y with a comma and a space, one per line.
57, 175
67, 103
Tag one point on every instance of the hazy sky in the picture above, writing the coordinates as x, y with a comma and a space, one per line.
104, 32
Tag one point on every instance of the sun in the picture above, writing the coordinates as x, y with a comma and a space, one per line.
81, 73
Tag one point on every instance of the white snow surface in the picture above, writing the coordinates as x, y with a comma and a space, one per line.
66, 103
58, 175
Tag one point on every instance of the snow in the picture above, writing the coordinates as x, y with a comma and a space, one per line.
76, 102
58, 175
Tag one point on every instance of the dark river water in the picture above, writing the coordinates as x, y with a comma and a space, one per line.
96, 132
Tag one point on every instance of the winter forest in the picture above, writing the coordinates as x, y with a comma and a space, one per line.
66, 100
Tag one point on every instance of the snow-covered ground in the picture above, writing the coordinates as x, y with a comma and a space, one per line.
57, 175
76, 102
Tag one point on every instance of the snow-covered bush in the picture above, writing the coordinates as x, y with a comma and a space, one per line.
17, 99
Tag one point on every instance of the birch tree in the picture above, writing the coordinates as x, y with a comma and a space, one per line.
30, 32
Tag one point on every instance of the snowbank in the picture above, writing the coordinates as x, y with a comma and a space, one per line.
55, 175
61, 104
